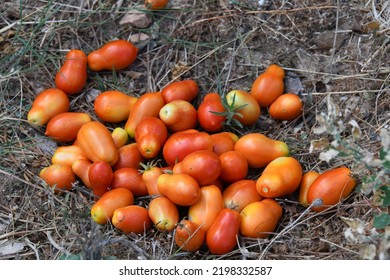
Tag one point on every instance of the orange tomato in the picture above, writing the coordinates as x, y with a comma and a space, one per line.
46, 105
280, 177
100, 175
129, 178
189, 236
114, 55
120, 137
150, 136
245, 106
72, 76
150, 176
211, 112
129, 156
67, 155
185, 90
240, 194
234, 166
223, 142
80, 168
286, 107
307, 179
65, 126
163, 213
156, 4
179, 115
59, 176
132, 218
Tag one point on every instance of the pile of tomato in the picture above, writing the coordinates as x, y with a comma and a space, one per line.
191, 173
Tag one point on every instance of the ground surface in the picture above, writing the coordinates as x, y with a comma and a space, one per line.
336, 57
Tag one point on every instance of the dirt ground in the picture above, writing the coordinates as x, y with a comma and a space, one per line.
336, 57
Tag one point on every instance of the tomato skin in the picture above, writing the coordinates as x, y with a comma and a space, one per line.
331, 186
268, 86
307, 179
156, 4
150, 135
103, 209
65, 126
250, 113
150, 177
260, 218
97, 143
240, 194
286, 107
67, 155
223, 142
113, 106
207, 208
59, 175
129, 156
181, 144
259, 150
181, 189
179, 115
234, 166
129, 178
100, 175
114, 55
186, 90
80, 168
280, 177
120, 137
72, 76
148, 105
46, 105
189, 236
132, 218
204, 166
221, 238
163, 213
207, 119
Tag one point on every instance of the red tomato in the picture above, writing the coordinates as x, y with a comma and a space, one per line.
80, 168
234, 166
58, 176
163, 213
179, 115
129, 178
100, 175
156, 4
181, 189
286, 107
150, 136
307, 179
129, 156
221, 238
241, 193
72, 76
113, 56
120, 137
65, 126
208, 111
223, 142
150, 176
67, 155
132, 218
245, 106
189, 236
185, 90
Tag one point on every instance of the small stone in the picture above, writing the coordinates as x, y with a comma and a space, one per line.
139, 37
136, 18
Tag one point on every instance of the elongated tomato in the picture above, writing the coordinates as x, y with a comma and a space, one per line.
150, 136
65, 126
181, 189
163, 213
185, 90
240, 194
132, 218
189, 236
59, 176
67, 155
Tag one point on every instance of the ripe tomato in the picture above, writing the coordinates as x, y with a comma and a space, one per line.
100, 175
307, 179
114, 55
80, 168
189, 236
182, 90
259, 219
181, 189
129, 156
120, 137
221, 238
240, 194
150, 136
113, 106
234, 166
163, 213
179, 115
156, 4
331, 187
58, 176
286, 107
223, 142
67, 155
65, 126
246, 108
46, 105
150, 176
72, 76
132, 218
207, 208
129, 178
268, 86
208, 111
103, 209
259, 150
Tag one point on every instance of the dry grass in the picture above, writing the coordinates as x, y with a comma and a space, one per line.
222, 48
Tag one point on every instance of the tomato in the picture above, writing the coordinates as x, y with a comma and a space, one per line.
208, 111
223, 142
189, 236
307, 179
181, 144
113, 56
80, 168
129, 178
65, 126
259, 150
246, 108
46, 105
185, 90
103, 209
181, 189
129, 156
148, 105
163, 213
58, 176
100, 175
259, 219
67, 155
234, 166
331, 187
221, 238
113, 106
120, 137
132, 218
150, 176
150, 136
156, 4
240, 194
179, 115
97, 143
286, 107
207, 208
268, 86
72, 76
280, 177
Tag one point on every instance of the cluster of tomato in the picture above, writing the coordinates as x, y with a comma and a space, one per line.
206, 167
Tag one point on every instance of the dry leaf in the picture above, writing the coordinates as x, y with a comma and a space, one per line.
328, 155
9, 248
356, 131
318, 145
137, 19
